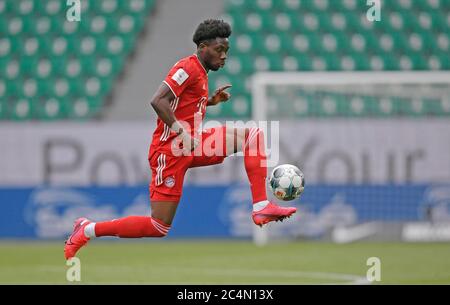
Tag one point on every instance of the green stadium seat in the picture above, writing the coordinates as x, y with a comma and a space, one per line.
15, 26
89, 45
49, 109
43, 68
120, 44
95, 87
40, 26
381, 107
82, 108
21, 109
282, 22
60, 88
255, 22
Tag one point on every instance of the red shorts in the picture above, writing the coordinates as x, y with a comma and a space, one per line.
168, 170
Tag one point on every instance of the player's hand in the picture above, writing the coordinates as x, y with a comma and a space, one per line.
189, 143
183, 137
220, 95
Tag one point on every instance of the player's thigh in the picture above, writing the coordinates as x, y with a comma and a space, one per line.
164, 210
235, 138
166, 186
212, 149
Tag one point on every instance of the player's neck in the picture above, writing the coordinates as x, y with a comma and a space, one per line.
202, 62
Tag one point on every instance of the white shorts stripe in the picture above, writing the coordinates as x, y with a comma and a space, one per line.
165, 133
159, 172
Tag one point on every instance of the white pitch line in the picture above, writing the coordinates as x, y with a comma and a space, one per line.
349, 278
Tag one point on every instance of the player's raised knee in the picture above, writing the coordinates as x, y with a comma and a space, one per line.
254, 137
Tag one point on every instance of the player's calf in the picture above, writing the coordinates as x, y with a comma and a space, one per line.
131, 227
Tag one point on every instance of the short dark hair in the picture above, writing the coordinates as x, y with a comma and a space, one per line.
211, 29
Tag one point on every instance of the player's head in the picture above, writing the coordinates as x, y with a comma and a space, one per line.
211, 38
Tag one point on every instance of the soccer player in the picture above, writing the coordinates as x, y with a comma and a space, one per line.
179, 144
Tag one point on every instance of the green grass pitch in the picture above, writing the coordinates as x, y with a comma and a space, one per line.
225, 262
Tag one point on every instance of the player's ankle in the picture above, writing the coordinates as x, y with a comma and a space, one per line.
89, 230
258, 206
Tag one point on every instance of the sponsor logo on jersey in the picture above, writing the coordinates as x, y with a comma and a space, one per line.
180, 76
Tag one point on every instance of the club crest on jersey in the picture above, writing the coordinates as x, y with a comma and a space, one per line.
180, 76
169, 181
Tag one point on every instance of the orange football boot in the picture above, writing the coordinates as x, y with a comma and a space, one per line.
77, 239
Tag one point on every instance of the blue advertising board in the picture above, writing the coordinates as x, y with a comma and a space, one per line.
216, 211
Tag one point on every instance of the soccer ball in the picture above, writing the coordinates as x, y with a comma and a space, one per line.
287, 182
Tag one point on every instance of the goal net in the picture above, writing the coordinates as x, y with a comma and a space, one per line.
374, 147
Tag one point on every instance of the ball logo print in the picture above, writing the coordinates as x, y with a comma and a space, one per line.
74, 12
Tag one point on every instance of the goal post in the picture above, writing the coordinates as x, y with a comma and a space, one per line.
367, 96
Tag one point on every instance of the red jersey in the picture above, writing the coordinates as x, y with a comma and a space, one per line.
188, 81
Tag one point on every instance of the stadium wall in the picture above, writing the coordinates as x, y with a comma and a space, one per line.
342, 213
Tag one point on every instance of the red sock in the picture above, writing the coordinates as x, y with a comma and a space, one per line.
132, 227
255, 163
